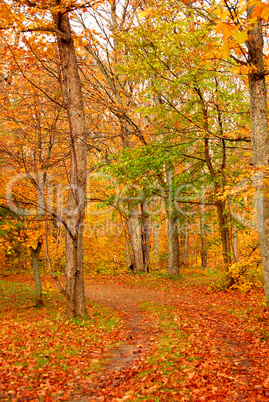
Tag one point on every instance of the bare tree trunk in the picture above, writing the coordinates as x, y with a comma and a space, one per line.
203, 238
224, 232
155, 231
173, 255
184, 247
225, 240
203, 251
259, 138
134, 230
34, 256
173, 243
145, 236
72, 95
235, 244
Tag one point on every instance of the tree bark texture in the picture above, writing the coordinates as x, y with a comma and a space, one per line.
72, 95
173, 242
203, 251
146, 228
155, 246
224, 231
135, 237
34, 256
184, 246
235, 244
259, 140
174, 253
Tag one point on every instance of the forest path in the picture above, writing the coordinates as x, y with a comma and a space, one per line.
233, 363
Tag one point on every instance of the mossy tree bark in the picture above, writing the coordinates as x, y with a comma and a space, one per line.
259, 139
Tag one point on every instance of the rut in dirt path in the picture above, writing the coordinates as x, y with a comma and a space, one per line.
140, 336
236, 344
140, 332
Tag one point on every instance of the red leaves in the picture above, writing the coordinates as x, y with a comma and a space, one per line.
208, 348
44, 356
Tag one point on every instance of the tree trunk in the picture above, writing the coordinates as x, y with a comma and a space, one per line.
135, 239
224, 232
173, 243
225, 240
184, 246
235, 244
173, 256
259, 139
145, 236
203, 238
72, 95
155, 231
34, 256
203, 251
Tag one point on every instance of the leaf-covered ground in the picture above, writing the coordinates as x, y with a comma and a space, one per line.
43, 356
180, 341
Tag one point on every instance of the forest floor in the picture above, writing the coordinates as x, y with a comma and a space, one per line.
175, 340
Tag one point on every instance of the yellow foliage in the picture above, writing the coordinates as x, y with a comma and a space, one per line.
247, 274
240, 37
146, 12
226, 28
225, 49
47, 288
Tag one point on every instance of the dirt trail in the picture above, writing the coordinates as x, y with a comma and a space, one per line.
140, 334
237, 348
139, 329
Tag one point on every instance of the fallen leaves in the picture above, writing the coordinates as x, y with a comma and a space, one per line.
209, 347
44, 356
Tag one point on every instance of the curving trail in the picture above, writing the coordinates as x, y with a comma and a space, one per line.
234, 366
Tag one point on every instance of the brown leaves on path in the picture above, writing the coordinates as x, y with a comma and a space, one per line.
44, 356
208, 345
177, 343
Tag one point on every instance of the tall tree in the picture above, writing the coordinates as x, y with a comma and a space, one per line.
195, 96
259, 136
57, 13
238, 30
72, 95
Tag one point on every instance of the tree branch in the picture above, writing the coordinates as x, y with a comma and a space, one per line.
48, 29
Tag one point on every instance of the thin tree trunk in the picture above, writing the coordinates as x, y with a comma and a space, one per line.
235, 244
203, 251
259, 139
173, 243
72, 95
34, 256
184, 247
218, 178
134, 230
155, 231
203, 238
173, 255
224, 231
145, 236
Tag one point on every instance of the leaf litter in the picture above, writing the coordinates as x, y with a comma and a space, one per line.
179, 343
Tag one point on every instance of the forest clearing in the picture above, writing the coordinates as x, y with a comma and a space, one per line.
134, 203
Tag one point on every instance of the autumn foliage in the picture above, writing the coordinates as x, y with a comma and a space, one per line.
134, 134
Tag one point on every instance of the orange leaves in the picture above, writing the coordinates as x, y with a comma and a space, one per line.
238, 32
146, 13
229, 30
226, 28
43, 355
261, 10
